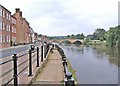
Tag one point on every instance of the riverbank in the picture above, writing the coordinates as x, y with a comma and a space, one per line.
70, 73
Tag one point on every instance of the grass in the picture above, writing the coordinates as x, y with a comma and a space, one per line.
72, 71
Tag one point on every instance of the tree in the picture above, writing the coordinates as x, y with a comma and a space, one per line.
72, 36
99, 34
68, 36
113, 36
82, 36
39, 35
78, 36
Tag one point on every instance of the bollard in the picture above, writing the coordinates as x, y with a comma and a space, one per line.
15, 69
44, 51
37, 57
69, 80
41, 53
30, 63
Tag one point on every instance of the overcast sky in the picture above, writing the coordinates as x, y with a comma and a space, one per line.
63, 17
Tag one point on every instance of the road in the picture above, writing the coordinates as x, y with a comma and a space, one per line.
15, 49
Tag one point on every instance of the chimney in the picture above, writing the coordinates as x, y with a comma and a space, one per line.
21, 13
17, 10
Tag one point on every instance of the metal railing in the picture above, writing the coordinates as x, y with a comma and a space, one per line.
29, 60
69, 80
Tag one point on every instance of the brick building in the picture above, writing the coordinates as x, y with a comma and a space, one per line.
20, 39
5, 17
13, 30
27, 31
23, 28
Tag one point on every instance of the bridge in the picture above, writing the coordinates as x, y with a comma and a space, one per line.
69, 40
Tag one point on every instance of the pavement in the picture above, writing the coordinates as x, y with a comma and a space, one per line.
5, 52
52, 73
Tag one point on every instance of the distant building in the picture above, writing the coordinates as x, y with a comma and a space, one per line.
5, 16
27, 31
35, 37
23, 30
13, 31
31, 35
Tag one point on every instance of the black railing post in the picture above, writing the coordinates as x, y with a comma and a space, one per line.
37, 56
44, 51
30, 62
41, 53
15, 69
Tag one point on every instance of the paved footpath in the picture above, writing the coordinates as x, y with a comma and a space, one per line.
52, 73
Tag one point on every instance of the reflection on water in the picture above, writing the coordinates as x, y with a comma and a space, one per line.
94, 64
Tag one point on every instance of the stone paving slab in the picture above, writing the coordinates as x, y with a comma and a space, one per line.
52, 73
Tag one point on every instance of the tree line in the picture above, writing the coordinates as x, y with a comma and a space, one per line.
112, 36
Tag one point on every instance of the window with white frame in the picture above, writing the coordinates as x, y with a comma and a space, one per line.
9, 17
13, 30
13, 21
9, 27
0, 24
8, 38
3, 13
3, 38
0, 38
0, 11
3, 26
6, 15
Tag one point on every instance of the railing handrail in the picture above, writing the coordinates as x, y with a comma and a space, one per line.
15, 57
6, 62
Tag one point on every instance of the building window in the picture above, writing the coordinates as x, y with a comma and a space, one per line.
0, 38
13, 30
0, 11
3, 38
9, 17
13, 21
8, 38
3, 13
9, 27
0, 24
6, 15
3, 26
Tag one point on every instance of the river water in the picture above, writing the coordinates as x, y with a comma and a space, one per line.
94, 64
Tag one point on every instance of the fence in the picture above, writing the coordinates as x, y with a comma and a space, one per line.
69, 81
15, 58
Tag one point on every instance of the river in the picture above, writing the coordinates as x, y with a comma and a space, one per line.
93, 64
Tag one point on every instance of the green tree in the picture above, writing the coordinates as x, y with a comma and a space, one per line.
99, 34
78, 36
82, 36
68, 36
40, 35
72, 36
113, 36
